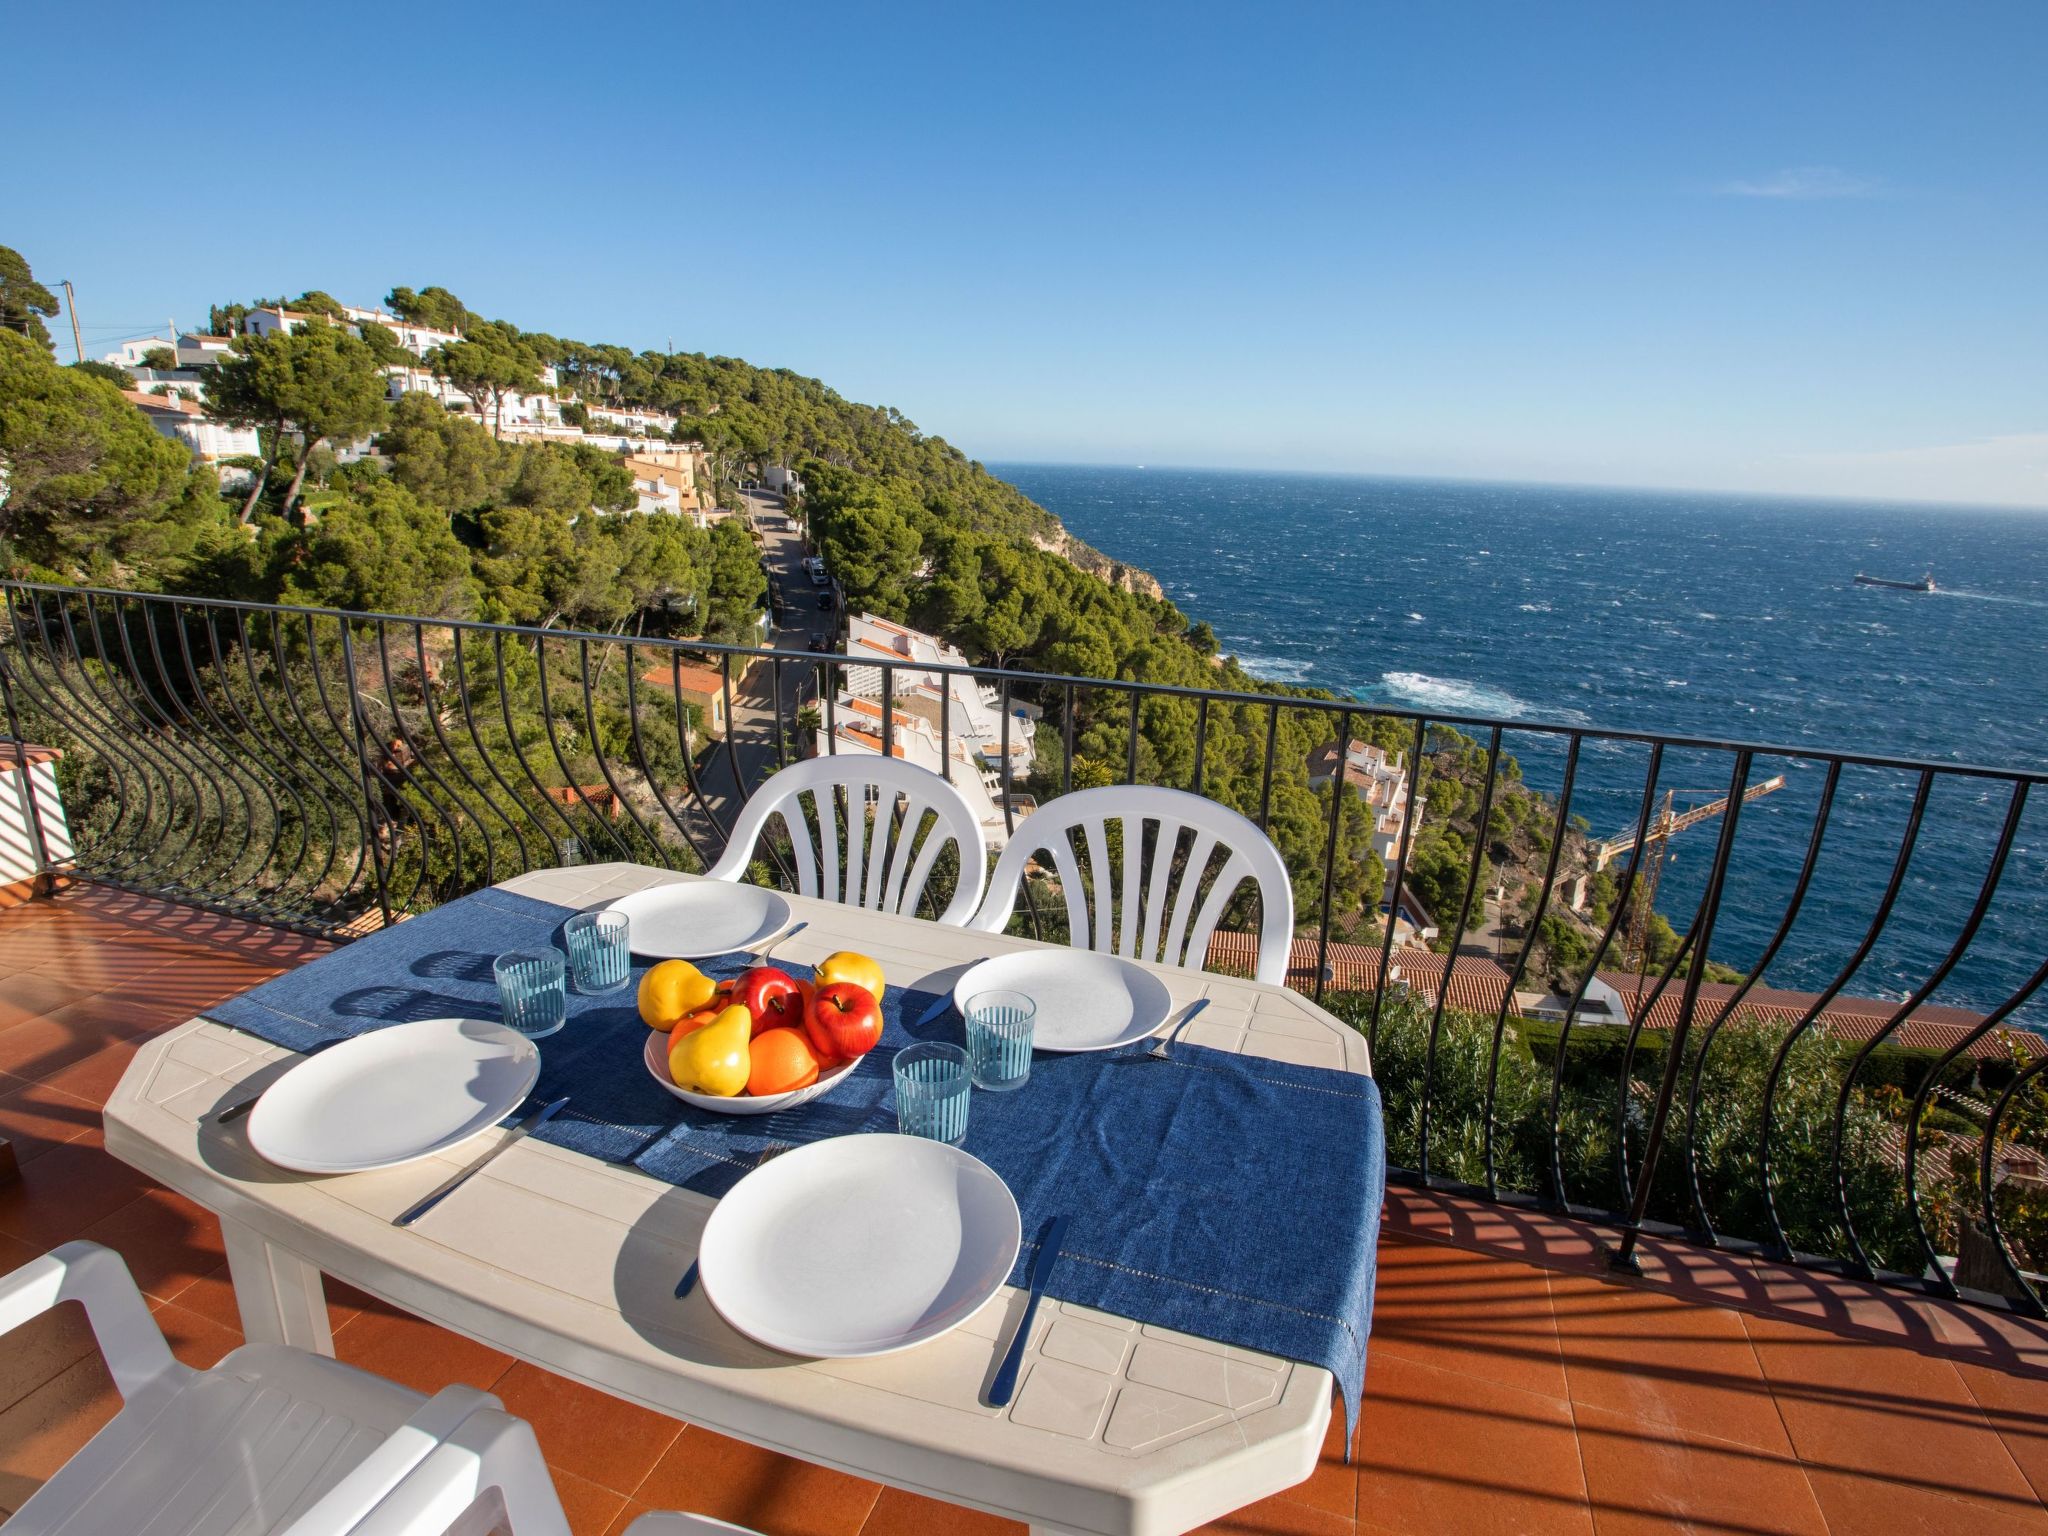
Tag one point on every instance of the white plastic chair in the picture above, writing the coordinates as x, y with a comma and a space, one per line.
272, 1439
489, 1463
886, 871
1181, 938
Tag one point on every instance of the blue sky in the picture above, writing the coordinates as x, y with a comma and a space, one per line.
1736, 246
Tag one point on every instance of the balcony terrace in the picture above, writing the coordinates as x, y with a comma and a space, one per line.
1831, 1200
1515, 1384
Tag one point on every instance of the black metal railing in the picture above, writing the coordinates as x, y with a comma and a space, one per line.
1823, 1054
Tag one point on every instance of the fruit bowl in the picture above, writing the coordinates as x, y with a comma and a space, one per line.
655, 1055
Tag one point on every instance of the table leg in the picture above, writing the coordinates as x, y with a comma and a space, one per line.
279, 1293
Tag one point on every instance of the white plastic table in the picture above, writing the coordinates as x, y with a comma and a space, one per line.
571, 1263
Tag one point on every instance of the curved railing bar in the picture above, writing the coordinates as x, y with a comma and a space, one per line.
1780, 1246
1994, 872
483, 795
654, 843
1674, 1052
63, 704
192, 856
184, 738
1616, 915
647, 772
1507, 996
1408, 820
236, 748
424, 760
278, 765
519, 813
1443, 990
1705, 1228
376, 819
519, 752
349, 779
287, 757
547, 720
1988, 1164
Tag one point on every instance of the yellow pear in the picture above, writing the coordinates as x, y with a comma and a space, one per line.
715, 1059
672, 989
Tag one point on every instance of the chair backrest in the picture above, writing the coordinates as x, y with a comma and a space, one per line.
876, 862
1157, 917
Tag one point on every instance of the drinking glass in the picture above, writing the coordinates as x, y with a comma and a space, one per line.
999, 1039
599, 955
932, 1089
532, 991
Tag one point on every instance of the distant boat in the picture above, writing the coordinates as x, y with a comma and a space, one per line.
1924, 584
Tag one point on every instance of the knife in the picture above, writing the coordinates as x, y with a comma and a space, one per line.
946, 997
520, 1132
1000, 1390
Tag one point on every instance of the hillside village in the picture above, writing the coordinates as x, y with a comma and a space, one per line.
171, 374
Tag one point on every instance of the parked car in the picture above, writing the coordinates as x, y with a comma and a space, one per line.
822, 644
828, 599
817, 569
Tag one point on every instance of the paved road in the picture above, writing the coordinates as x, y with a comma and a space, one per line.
754, 718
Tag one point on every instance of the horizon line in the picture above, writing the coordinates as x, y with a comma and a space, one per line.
1721, 492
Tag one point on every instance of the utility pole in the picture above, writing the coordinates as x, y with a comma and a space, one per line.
71, 303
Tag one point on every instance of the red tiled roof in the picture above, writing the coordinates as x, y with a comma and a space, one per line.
873, 710
1477, 984
692, 679
177, 404
1932, 1026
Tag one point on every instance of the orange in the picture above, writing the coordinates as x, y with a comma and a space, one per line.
782, 1060
672, 989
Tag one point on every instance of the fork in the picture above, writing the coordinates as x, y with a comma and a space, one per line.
760, 951
1160, 1047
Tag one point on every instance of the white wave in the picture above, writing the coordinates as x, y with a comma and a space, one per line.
1704, 615
1415, 618
1453, 695
1535, 607
1676, 682
1989, 597
1276, 669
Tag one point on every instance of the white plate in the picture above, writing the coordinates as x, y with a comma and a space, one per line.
859, 1245
394, 1095
1086, 1001
701, 920
655, 1055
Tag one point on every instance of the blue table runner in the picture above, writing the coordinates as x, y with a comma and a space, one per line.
1227, 1196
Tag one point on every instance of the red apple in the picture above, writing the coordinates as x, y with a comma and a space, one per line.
845, 1021
774, 999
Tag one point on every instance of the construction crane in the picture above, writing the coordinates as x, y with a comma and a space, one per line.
1664, 825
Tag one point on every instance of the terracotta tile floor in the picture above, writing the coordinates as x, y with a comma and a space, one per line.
1513, 1386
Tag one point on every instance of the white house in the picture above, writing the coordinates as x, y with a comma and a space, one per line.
671, 481
855, 725
197, 350
129, 354
186, 421
633, 419
953, 704
1378, 780
539, 412
417, 339
268, 322
783, 480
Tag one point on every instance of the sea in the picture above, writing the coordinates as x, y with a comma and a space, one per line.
1730, 618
